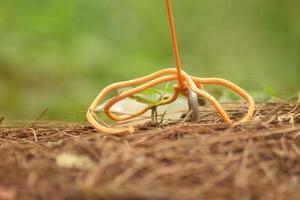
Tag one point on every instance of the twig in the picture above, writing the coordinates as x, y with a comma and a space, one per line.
40, 116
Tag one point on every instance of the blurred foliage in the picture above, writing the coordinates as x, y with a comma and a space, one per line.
58, 54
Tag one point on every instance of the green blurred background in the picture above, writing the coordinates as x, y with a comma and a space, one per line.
58, 54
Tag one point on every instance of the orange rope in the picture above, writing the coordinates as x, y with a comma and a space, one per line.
174, 42
166, 75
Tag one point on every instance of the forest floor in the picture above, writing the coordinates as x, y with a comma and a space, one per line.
184, 161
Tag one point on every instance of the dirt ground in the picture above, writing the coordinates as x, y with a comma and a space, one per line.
184, 161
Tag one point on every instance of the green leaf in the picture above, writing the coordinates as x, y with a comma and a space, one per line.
152, 96
152, 91
142, 99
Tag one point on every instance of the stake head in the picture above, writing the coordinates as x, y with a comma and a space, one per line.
193, 106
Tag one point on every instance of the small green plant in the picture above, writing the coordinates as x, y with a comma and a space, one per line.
152, 97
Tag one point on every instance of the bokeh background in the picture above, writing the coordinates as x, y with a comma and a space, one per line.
58, 54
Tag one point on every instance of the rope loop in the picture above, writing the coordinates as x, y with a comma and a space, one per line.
185, 83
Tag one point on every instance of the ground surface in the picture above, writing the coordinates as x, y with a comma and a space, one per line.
208, 160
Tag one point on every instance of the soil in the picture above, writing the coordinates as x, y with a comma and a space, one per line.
182, 160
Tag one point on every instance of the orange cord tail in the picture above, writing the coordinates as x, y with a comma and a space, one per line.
166, 75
